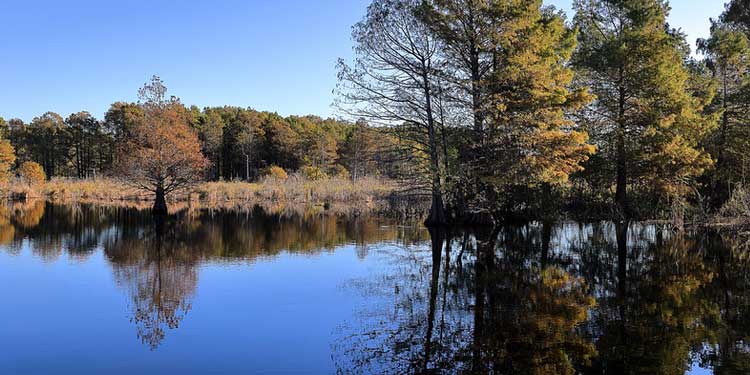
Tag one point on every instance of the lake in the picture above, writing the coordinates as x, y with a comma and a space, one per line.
105, 290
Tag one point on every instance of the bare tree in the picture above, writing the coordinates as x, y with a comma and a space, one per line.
393, 83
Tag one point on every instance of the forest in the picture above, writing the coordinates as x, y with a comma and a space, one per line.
239, 143
488, 110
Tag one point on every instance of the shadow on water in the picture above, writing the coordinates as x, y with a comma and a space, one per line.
543, 298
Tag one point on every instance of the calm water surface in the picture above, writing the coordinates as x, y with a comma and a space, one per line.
90, 290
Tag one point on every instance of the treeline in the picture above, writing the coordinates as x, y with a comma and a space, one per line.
241, 144
517, 111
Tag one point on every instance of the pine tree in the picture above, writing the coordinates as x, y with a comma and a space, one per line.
648, 121
737, 14
727, 54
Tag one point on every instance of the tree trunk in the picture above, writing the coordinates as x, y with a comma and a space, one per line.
160, 204
720, 193
476, 96
247, 167
437, 210
621, 195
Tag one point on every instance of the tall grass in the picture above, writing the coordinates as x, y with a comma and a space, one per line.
295, 189
298, 189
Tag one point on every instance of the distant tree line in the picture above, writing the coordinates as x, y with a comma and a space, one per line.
517, 112
239, 143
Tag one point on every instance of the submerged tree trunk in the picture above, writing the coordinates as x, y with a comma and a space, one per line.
437, 209
438, 237
621, 235
486, 241
160, 204
621, 196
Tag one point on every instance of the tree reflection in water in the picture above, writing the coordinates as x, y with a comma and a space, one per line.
477, 303
542, 298
156, 264
160, 278
562, 299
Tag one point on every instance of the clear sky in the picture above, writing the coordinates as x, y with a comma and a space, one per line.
276, 55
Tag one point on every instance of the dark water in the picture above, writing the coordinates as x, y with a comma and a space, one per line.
89, 290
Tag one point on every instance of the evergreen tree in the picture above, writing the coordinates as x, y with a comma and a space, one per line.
737, 14
647, 119
46, 142
727, 54
509, 70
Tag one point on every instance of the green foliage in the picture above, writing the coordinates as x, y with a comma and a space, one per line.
4, 129
45, 141
727, 54
239, 143
737, 14
647, 120
88, 148
122, 118
738, 204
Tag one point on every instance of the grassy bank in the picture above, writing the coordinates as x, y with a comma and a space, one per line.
293, 190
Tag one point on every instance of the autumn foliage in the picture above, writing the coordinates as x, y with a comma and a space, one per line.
32, 173
163, 154
7, 159
164, 150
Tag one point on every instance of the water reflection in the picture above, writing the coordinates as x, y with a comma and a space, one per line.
557, 299
542, 298
480, 303
159, 276
156, 264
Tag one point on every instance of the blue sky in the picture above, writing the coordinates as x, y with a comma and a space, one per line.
277, 55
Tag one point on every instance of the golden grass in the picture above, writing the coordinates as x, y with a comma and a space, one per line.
293, 190
95, 190
297, 189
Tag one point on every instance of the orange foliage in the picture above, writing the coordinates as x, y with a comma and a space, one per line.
163, 151
32, 173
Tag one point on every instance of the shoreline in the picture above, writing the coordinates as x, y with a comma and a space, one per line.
295, 194
332, 195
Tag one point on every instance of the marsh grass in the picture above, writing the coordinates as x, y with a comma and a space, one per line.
295, 189
298, 189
